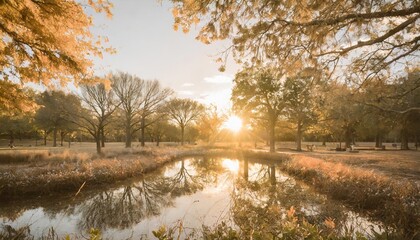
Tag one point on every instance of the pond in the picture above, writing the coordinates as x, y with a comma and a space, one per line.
192, 193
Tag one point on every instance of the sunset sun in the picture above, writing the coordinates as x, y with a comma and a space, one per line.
233, 123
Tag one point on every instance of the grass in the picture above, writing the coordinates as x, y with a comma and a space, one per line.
401, 165
392, 201
28, 173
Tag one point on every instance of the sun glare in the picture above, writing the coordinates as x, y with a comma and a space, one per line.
231, 165
233, 123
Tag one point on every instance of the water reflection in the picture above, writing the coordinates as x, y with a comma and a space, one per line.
198, 190
125, 207
185, 180
261, 200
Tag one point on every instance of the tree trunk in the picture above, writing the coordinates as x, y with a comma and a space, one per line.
273, 175
98, 142
348, 137
45, 138
128, 137
62, 134
182, 135
12, 140
102, 137
246, 169
404, 140
378, 140
157, 141
272, 135
142, 132
55, 137
299, 137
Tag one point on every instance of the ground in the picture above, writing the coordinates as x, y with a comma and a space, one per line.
391, 162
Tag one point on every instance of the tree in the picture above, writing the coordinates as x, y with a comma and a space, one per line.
408, 121
160, 129
17, 125
394, 104
14, 99
139, 100
341, 112
35, 47
129, 89
257, 91
154, 97
53, 115
295, 33
183, 112
100, 104
300, 101
210, 123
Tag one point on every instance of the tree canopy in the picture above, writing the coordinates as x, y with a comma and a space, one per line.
366, 38
47, 41
257, 92
183, 112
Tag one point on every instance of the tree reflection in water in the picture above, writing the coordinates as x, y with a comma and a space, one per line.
260, 203
260, 198
126, 206
183, 183
129, 205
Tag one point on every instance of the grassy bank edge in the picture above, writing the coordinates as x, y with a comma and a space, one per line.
41, 173
396, 203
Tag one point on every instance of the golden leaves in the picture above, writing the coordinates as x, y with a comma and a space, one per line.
44, 41
175, 27
329, 223
291, 212
175, 12
14, 99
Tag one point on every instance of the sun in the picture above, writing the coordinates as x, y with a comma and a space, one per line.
233, 123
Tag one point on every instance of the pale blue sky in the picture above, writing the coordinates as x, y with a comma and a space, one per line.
142, 33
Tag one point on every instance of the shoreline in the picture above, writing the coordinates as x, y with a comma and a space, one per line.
373, 193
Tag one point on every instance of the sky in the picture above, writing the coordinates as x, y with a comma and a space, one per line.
142, 33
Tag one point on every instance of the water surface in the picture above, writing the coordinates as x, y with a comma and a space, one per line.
192, 192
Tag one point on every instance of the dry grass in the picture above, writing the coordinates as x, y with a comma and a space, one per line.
385, 198
402, 165
27, 173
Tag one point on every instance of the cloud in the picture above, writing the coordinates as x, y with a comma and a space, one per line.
219, 79
188, 84
189, 93
219, 98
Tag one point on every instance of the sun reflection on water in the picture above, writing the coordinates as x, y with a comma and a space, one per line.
231, 165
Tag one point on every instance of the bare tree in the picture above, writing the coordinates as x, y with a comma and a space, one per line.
183, 112
129, 89
100, 103
154, 97
139, 100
